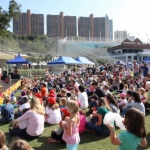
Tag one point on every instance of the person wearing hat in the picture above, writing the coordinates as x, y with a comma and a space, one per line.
122, 102
52, 114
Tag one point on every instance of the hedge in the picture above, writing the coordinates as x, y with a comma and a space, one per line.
34, 72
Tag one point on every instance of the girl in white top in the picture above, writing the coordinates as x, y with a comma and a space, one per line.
125, 89
52, 115
82, 97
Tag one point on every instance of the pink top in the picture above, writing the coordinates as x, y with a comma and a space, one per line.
74, 138
82, 127
35, 122
76, 85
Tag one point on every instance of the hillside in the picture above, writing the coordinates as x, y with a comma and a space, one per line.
36, 44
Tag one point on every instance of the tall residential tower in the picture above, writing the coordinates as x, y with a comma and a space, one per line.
29, 24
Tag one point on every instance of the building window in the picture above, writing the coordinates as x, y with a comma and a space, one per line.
135, 57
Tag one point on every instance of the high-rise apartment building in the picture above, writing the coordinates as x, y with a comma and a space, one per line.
84, 26
61, 26
111, 30
27, 24
70, 26
52, 25
39, 24
95, 27
33, 24
17, 25
120, 36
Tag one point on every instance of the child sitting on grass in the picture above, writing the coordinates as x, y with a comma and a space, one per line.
3, 141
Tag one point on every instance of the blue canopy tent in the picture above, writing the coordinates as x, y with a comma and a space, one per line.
63, 60
146, 60
18, 60
84, 61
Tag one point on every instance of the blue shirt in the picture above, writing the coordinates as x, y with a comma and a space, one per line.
7, 112
128, 141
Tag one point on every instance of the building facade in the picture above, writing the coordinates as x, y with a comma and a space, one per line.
61, 26
84, 26
17, 25
52, 25
100, 27
39, 24
129, 51
120, 36
29, 24
111, 30
70, 26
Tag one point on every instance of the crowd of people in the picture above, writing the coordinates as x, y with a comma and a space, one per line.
78, 100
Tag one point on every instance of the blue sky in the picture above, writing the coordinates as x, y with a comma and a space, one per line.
130, 15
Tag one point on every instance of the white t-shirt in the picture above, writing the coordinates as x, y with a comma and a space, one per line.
54, 115
23, 106
79, 70
83, 99
69, 71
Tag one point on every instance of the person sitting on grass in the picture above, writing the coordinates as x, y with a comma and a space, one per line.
3, 141
97, 126
7, 111
122, 101
35, 119
20, 145
135, 134
52, 114
112, 103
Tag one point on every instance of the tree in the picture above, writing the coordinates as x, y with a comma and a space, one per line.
7, 16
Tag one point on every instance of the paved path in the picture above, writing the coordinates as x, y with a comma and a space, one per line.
7, 85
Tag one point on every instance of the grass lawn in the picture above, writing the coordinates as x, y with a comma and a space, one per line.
88, 141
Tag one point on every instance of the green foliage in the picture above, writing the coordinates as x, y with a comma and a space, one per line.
104, 61
34, 72
37, 44
6, 16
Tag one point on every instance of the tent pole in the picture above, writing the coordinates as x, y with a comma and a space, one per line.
7, 69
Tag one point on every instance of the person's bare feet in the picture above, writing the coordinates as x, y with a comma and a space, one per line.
51, 140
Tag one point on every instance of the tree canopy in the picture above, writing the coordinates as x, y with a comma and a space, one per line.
7, 15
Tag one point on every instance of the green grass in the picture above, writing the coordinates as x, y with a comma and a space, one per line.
88, 141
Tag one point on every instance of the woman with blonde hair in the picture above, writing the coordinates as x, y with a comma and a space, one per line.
20, 145
99, 127
35, 120
142, 93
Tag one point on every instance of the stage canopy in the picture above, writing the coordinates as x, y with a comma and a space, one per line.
18, 60
84, 61
63, 60
146, 60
